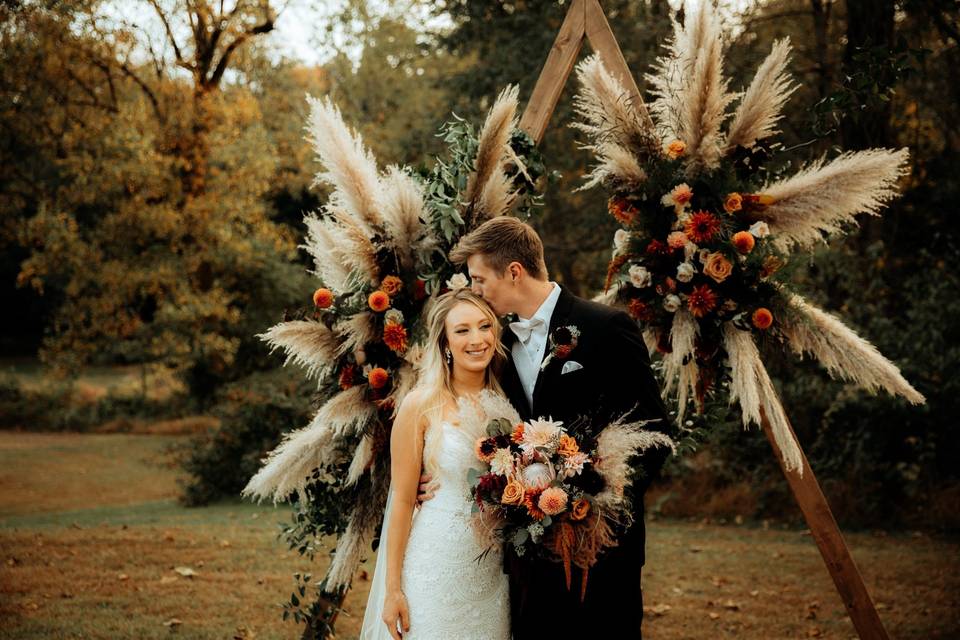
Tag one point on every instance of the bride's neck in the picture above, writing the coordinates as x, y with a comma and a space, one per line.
467, 383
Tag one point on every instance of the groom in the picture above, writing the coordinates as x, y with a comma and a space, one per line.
606, 375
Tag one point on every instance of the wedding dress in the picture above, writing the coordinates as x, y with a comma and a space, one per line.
450, 593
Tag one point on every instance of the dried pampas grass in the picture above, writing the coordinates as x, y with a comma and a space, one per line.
751, 385
488, 189
845, 354
609, 114
679, 366
616, 165
617, 443
307, 343
759, 110
402, 208
822, 198
321, 246
348, 166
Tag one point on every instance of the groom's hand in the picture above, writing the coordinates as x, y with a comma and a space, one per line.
426, 489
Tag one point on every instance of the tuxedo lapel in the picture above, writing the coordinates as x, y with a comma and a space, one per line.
509, 378
561, 314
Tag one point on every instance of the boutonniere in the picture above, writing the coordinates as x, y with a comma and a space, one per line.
562, 341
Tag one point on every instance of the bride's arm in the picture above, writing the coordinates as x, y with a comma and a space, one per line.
406, 457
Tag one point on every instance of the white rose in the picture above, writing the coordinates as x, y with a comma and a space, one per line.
394, 316
690, 250
458, 281
671, 303
760, 229
703, 255
685, 272
620, 240
640, 277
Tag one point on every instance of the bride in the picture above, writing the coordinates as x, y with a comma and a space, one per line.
432, 578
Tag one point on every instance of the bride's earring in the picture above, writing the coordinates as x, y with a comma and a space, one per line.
449, 355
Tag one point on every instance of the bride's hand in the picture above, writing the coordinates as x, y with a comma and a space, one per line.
395, 610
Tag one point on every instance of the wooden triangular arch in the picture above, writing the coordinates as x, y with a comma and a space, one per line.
585, 20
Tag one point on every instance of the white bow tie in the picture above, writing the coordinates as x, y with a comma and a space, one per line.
523, 328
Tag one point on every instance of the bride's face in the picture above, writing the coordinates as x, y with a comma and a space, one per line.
471, 336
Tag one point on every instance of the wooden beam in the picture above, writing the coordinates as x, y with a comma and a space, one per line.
833, 548
556, 70
604, 43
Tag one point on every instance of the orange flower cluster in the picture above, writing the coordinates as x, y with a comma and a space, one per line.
322, 298
395, 337
762, 318
378, 377
624, 212
391, 285
702, 301
702, 227
379, 301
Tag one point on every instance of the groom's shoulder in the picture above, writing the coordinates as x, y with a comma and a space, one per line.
594, 311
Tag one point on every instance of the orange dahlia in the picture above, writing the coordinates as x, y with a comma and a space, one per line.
552, 501
702, 301
322, 298
517, 435
391, 285
395, 337
624, 212
530, 500
702, 227
568, 446
762, 318
379, 301
743, 241
378, 377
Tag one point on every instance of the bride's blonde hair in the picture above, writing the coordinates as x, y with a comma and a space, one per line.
436, 372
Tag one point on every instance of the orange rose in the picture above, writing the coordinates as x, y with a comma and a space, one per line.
734, 202
743, 241
513, 493
580, 509
378, 377
762, 318
322, 298
675, 149
379, 301
718, 267
568, 446
391, 285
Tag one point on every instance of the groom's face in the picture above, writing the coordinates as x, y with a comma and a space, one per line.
493, 287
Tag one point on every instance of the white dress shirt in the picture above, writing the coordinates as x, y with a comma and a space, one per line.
528, 354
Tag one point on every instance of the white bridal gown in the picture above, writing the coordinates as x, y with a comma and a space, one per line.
449, 592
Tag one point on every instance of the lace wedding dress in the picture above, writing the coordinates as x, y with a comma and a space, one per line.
450, 593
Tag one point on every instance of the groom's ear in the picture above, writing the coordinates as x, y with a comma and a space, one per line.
514, 270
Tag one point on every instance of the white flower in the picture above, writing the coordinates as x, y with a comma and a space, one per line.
458, 281
702, 255
502, 462
541, 433
640, 277
690, 250
620, 240
671, 303
536, 531
394, 316
685, 272
760, 229
537, 475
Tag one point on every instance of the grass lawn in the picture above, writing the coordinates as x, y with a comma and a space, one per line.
92, 537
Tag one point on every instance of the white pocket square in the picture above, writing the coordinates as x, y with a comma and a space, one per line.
570, 365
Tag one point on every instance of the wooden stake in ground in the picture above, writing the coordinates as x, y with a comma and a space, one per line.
585, 20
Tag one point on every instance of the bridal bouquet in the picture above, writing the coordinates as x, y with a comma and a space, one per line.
556, 493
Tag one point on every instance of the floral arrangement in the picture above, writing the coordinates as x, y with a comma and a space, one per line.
706, 227
379, 250
555, 492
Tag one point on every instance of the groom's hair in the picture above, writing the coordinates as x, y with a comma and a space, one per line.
500, 241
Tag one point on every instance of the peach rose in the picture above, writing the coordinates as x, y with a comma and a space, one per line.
734, 202
675, 149
718, 267
580, 509
513, 493
568, 446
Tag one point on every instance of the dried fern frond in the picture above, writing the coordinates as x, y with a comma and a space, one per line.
759, 110
348, 166
822, 198
844, 354
307, 343
492, 151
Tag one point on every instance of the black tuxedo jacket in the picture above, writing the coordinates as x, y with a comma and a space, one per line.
615, 379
